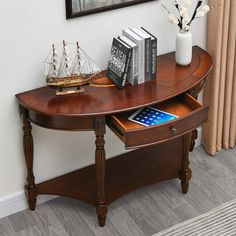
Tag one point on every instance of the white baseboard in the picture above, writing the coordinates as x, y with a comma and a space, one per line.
17, 202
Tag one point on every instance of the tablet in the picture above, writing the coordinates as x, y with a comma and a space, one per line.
151, 116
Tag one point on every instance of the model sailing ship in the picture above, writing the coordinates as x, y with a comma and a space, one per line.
68, 69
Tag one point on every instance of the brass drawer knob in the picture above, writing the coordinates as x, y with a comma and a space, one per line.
173, 130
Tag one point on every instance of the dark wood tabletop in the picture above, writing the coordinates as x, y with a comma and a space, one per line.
171, 80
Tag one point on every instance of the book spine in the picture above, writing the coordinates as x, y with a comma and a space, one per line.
154, 54
140, 58
148, 59
127, 67
133, 72
132, 75
141, 61
135, 64
154, 59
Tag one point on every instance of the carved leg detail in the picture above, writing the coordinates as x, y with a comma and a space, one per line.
31, 194
100, 161
185, 173
101, 213
28, 146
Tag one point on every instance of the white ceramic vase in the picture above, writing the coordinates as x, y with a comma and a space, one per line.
183, 53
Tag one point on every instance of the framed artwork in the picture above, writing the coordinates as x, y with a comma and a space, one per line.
76, 8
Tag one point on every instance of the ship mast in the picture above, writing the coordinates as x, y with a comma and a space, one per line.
54, 60
65, 52
78, 58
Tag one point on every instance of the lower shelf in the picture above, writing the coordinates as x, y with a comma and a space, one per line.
124, 173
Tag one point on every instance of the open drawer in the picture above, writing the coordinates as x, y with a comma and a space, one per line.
192, 115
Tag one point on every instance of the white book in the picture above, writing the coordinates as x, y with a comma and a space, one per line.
146, 51
140, 42
133, 74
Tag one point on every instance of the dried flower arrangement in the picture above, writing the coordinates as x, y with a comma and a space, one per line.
184, 20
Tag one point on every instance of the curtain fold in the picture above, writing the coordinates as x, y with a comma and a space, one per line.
220, 89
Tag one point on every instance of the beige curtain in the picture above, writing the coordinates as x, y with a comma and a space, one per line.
220, 89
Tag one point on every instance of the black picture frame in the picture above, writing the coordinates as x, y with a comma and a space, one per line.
70, 14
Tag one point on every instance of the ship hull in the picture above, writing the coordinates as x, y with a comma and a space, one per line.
68, 82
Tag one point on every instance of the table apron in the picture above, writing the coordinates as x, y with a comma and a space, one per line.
61, 122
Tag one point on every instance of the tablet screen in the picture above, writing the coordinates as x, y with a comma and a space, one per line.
151, 116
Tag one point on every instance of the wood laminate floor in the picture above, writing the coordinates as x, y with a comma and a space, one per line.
143, 212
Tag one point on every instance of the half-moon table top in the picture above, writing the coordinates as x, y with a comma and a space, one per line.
171, 80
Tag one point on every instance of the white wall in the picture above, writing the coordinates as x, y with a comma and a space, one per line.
27, 30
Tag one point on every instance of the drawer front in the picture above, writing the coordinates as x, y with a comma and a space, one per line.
138, 136
161, 133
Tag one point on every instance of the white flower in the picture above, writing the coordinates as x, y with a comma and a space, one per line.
200, 13
173, 19
206, 8
184, 20
186, 28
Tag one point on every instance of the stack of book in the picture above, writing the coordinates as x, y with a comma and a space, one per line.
133, 57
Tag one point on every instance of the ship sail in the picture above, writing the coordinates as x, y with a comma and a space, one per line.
66, 61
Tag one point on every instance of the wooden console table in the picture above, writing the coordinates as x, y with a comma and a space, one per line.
162, 150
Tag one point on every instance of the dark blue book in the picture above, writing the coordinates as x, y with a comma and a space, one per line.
119, 62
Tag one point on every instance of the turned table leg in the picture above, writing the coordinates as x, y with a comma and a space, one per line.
100, 161
185, 172
28, 146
